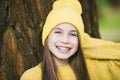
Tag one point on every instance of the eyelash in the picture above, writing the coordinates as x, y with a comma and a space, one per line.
72, 34
57, 32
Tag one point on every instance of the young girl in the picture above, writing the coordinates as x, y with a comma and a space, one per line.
63, 57
71, 54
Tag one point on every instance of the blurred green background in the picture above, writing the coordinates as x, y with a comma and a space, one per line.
109, 19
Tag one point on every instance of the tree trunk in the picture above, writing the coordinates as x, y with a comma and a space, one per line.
90, 17
21, 24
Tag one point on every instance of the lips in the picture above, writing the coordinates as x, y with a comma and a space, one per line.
63, 49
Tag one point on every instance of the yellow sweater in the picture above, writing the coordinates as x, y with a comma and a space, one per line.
35, 73
102, 58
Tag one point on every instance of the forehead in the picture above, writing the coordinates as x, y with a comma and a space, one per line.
65, 26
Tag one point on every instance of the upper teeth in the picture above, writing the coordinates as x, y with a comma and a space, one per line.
63, 48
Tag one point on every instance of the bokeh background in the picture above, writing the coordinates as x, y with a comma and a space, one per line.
109, 19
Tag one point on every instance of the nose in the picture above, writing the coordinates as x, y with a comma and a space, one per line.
65, 39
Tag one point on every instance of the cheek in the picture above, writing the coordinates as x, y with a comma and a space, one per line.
75, 43
51, 39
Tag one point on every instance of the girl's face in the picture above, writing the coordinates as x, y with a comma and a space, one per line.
63, 42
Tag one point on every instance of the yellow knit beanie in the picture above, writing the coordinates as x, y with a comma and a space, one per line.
64, 11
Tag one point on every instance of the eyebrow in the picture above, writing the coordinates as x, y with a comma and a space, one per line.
58, 28
71, 30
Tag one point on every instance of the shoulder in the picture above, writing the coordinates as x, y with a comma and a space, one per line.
32, 73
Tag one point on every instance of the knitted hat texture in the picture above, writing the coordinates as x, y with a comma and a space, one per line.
64, 11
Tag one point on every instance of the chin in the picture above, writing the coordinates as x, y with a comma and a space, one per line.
63, 58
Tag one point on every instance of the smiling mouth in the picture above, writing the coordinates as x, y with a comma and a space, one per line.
63, 49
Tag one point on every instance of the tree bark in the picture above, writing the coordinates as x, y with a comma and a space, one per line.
90, 17
21, 24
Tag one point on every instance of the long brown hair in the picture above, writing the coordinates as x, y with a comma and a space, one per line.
77, 63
